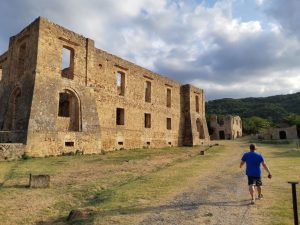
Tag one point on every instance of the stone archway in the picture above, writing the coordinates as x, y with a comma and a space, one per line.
69, 111
11, 117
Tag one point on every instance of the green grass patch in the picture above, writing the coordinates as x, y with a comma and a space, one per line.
284, 162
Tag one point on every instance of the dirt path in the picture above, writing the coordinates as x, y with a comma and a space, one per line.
221, 197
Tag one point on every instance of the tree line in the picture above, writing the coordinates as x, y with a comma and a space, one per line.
259, 114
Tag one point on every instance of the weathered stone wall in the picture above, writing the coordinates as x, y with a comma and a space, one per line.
133, 133
225, 127
75, 108
45, 125
11, 151
194, 124
16, 86
12, 136
279, 133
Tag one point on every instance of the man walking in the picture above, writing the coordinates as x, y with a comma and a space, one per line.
253, 171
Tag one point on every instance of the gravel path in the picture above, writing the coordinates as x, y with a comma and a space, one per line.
219, 198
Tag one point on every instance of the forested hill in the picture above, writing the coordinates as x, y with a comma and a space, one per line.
275, 108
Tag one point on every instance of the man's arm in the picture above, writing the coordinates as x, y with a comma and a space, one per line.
242, 163
267, 169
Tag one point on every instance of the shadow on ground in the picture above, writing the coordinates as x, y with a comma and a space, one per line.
98, 213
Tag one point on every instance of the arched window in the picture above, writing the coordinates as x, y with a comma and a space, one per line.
69, 111
11, 118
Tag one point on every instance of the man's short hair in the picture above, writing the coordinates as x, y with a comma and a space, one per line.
252, 147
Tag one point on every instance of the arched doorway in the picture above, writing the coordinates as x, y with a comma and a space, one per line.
222, 135
200, 129
69, 111
11, 117
282, 134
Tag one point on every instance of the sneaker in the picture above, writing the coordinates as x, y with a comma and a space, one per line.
252, 202
260, 196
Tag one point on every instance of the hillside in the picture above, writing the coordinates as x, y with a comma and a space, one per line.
274, 108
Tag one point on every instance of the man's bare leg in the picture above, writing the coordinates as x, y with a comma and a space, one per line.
252, 193
259, 192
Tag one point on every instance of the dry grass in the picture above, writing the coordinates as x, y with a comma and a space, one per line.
124, 186
99, 181
284, 162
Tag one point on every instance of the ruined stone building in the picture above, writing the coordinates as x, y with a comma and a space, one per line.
287, 132
225, 127
58, 93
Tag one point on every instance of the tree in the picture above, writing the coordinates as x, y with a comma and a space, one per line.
255, 124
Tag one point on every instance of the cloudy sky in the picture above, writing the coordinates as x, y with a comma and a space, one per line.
230, 48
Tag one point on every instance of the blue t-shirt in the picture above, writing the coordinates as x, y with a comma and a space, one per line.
253, 161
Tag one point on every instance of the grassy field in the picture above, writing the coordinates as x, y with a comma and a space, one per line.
130, 182
117, 181
283, 159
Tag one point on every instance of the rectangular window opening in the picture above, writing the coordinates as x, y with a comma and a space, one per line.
120, 120
169, 143
69, 144
64, 105
169, 123
120, 143
197, 103
147, 120
67, 63
147, 91
120, 83
148, 143
169, 95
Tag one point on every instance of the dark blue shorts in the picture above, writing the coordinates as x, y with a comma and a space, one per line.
254, 181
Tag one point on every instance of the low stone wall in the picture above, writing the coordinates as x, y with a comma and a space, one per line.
39, 181
10, 151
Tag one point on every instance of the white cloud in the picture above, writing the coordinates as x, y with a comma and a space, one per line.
184, 40
260, 2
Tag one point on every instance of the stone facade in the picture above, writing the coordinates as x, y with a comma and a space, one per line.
61, 94
225, 127
11, 151
279, 133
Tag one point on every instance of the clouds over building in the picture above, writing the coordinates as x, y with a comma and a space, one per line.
208, 43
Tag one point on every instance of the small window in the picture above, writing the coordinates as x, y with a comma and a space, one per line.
64, 105
69, 144
120, 120
169, 143
120, 143
147, 120
67, 63
148, 143
197, 103
169, 123
120, 83
169, 94
147, 91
